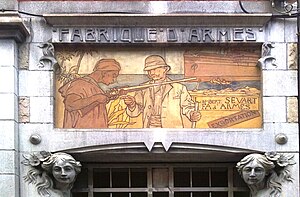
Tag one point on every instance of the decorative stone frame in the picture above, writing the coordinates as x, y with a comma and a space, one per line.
266, 59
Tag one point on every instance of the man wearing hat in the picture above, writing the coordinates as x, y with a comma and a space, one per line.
85, 102
162, 106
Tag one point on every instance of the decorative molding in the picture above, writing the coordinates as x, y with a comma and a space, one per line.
265, 174
48, 59
202, 19
13, 27
266, 57
150, 146
52, 174
157, 151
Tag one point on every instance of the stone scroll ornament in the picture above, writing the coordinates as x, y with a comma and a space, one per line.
265, 174
48, 59
52, 174
266, 57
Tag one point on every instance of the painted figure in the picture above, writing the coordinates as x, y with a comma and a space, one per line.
52, 174
85, 102
264, 174
162, 106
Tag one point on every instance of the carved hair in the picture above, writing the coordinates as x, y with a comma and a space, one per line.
271, 178
45, 183
48, 165
40, 172
47, 177
261, 159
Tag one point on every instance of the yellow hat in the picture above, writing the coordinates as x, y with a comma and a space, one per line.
155, 61
107, 64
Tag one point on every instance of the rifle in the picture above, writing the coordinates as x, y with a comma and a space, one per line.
116, 92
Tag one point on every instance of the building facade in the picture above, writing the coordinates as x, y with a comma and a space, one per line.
236, 63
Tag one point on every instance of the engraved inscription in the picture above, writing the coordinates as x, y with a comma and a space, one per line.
150, 35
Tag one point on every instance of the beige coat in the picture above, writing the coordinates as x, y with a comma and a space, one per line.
176, 103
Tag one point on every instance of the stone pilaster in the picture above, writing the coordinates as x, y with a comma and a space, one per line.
12, 31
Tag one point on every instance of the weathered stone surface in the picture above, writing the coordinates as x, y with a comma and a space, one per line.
289, 129
290, 30
275, 31
8, 138
271, 113
10, 186
9, 4
24, 112
280, 83
8, 161
24, 56
35, 83
62, 139
8, 79
136, 7
218, 6
292, 109
9, 106
41, 109
292, 56
40, 30
8, 49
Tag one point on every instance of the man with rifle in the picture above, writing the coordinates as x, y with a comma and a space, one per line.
85, 102
164, 104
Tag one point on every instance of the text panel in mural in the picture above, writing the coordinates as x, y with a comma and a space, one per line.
167, 87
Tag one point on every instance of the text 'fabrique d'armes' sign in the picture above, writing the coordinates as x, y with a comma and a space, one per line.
154, 35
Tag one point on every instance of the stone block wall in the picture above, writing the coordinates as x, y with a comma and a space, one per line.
27, 100
9, 148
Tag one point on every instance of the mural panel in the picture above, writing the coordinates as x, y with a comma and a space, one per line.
167, 87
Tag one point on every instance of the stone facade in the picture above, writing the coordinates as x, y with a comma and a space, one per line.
27, 91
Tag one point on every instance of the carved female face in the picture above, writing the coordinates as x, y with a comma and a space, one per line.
63, 172
253, 173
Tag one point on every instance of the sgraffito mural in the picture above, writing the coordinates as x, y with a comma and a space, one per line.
168, 87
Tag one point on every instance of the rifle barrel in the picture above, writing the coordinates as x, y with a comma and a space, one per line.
157, 84
177, 81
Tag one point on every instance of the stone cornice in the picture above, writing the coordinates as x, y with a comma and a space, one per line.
158, 20
12, 27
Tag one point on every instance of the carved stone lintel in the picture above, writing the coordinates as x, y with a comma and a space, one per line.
264, 174
52, 174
